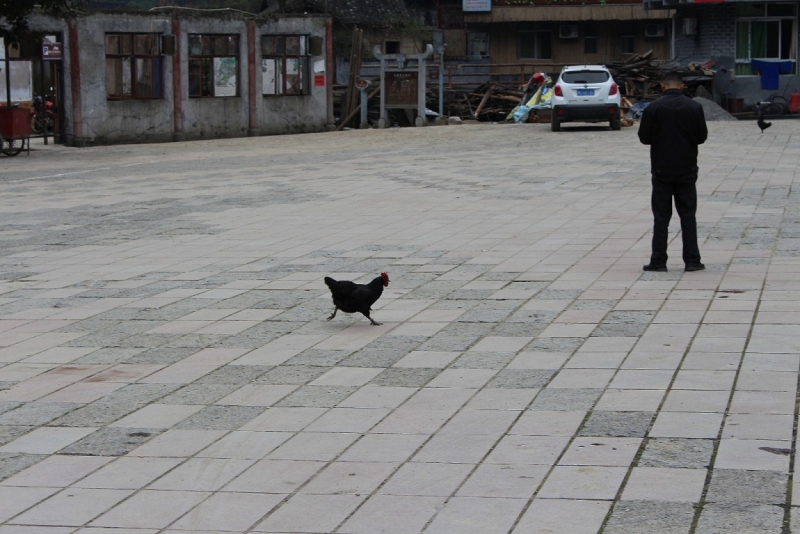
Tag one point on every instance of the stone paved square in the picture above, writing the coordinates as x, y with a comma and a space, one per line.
166, 365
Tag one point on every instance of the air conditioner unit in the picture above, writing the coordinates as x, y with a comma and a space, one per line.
568, 31
653, 30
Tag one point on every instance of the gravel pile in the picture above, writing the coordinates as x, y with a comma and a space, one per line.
713, 111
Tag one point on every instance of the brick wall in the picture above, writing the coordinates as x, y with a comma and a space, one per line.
716, 33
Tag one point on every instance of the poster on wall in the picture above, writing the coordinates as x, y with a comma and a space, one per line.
268, 76
224, 76
127, 84
477, 5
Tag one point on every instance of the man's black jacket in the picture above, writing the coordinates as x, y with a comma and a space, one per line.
673, 126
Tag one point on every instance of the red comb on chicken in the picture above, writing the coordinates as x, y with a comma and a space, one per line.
350, 297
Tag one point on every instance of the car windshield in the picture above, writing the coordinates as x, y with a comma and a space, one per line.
585, 76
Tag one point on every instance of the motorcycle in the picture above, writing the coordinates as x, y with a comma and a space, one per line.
42, 114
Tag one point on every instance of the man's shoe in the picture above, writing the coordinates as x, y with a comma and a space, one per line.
694, 267
655, 267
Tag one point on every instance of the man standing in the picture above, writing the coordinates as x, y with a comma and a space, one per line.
673, 126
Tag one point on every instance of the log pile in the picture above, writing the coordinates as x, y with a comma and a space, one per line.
491, 101
639, 77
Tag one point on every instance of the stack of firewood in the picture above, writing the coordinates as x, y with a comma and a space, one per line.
639, 76
491, 101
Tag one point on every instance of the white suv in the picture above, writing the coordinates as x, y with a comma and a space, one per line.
585, 93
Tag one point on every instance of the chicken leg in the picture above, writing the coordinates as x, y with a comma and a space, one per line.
371, 320
333, 314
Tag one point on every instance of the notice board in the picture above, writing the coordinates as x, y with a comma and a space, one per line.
402, 89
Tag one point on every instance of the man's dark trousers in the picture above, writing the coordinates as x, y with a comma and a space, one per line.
683, 189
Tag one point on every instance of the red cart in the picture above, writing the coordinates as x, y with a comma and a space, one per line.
15, 130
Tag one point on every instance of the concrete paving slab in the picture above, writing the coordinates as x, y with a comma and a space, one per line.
165, 358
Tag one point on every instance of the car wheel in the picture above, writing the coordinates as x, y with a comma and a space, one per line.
616, 124
555, 124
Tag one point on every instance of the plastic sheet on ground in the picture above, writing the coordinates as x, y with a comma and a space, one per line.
540, 99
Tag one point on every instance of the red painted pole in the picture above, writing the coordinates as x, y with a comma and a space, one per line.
329, 66
75, 79
177, 85
251, 76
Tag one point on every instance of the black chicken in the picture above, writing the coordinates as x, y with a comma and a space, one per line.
351, 297
761, 124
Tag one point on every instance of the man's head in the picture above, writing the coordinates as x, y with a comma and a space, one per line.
671, 80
